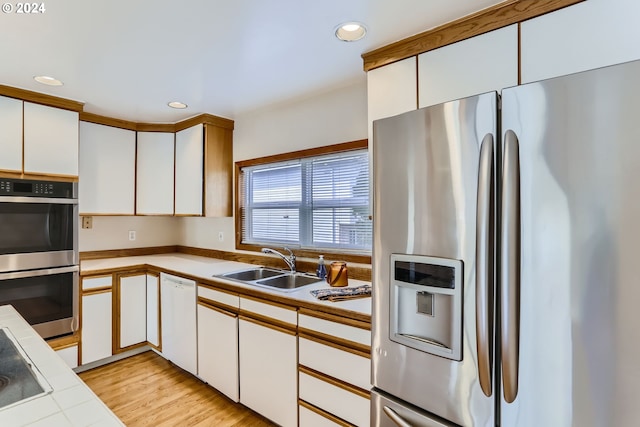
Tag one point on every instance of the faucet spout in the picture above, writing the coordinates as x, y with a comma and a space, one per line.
289, 260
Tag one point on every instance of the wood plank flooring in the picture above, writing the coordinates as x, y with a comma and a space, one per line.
147, 390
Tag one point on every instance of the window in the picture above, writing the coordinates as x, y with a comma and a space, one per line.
311, 202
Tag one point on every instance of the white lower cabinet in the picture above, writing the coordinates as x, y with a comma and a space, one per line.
178, 323
133, 310
268, 361
69, 355
153, 310
96, 336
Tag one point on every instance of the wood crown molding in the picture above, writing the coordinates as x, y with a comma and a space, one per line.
207, 119
489, 19
41, 98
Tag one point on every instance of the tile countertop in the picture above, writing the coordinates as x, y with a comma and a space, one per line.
204, 268
71, 403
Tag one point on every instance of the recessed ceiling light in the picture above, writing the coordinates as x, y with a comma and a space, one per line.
177, 104
49, 81
350, 31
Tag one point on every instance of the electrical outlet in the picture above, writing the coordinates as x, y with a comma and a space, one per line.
87, 222
132, 235
220, 236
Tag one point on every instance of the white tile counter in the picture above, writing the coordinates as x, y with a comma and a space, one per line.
70, 404
205, 268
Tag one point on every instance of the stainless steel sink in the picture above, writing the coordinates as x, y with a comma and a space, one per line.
252, 274
280, 280
289, 281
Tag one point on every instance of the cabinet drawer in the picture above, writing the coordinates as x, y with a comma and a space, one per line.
311, 418
217, 296
338, 401
277, 312
336, 363
339, 330
96, 282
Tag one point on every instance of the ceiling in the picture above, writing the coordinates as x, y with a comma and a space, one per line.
127, 59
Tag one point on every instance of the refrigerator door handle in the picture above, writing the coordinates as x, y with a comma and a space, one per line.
484, 263
395, 417
510, 266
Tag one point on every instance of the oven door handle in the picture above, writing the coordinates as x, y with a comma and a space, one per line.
51, 200
36, 273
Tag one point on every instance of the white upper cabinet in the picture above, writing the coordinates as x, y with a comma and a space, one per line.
11, 134
488, 62
189, 170
155, 173
588, 35
107, 170
391, 90
50, 140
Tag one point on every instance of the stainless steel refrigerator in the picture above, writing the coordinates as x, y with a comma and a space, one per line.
506, 260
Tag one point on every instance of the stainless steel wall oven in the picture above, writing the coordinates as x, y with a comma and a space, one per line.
39, 252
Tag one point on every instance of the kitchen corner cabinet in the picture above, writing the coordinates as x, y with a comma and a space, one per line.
587, 35
218, 173
11, 134
155, 173
334, 370
50, 140
131, 308
96, 338
488, 62
107, 170
178, 321
218, 340
189, 163
268, 360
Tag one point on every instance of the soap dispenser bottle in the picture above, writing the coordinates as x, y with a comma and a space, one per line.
321, 271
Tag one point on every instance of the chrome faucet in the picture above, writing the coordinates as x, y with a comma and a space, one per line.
290, 260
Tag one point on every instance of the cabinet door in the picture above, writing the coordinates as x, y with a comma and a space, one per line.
218, 350
189, 170
391, 90
484, 63
11, 134
107, 170
133, 310
588, 35
50, 140
96, 337
178, 308
154, 178
268, 372
153, 310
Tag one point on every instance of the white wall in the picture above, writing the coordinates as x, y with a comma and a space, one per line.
112, 232
339, 115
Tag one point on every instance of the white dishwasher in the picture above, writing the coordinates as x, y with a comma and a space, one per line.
179, 337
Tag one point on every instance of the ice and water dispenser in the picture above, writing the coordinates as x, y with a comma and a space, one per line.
426, 304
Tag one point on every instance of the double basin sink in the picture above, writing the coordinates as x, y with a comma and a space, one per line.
281, 280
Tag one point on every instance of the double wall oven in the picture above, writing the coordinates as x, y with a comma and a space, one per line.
39, 253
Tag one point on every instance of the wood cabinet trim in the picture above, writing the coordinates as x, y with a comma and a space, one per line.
335, 382
64, 342
324, 414
209, 119
489, 19
95, 291
41, 98
335, 342
205, 119
268, 322
48, 177
107, 121
117, 253
219, 307
335, 318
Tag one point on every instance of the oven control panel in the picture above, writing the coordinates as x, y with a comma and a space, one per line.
34, 188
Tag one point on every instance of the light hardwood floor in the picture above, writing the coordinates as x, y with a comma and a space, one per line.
147, 390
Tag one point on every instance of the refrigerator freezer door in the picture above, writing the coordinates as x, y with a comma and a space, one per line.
425, 195
579, 151
389, 412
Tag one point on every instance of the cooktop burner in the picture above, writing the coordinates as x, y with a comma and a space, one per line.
18, 377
